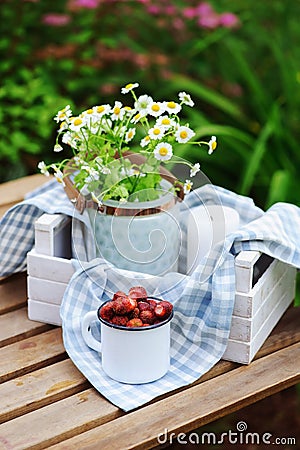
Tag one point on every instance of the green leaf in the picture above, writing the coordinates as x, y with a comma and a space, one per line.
259, 150
279, 187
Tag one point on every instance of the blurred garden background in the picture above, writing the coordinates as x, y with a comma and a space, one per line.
239, 60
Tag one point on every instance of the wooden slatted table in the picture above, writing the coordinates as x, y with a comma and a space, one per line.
45, 402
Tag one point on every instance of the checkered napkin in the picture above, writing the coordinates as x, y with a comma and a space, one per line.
203, 302
17, 227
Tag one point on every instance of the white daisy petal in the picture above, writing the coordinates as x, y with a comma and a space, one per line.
187, 186
195, 169
172, 107
129, 87
212, 144
185, 99
156, 132
163, 151
184, 134
156, 109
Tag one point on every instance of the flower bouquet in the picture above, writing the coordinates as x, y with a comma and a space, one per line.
116, 170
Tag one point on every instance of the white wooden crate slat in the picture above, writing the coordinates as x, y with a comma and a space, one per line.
49, 267
244, 329
244, 352
53, 235
44, 312
247, 304
45, 290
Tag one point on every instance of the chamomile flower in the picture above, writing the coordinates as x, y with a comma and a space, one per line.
172, 107
184, 134
187, 186
136, 118
129, 87
117, 111
145, 141
76, 123
212, 144
129, 134
43, 168
163, 151
57, 148
156, 109
156, 132
186, 99
166, 122
142, 104
63, 114
101, 110
59, 176
195, 169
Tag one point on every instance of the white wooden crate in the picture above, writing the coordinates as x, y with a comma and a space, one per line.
264, 288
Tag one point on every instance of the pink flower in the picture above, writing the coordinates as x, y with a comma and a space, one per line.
56, 20
229, 20
189, 13
210, 21
89, 4
204, 9
153, 9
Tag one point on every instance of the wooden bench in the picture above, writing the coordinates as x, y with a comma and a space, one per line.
45, 402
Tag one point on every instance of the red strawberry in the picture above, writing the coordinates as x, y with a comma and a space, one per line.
144, 306
107, 312
147, 316
119, 294
152, 303
138, 292
134, 323
124, 305
163, 309
119, 320
135, 313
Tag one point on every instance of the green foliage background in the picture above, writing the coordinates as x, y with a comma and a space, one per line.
244, 80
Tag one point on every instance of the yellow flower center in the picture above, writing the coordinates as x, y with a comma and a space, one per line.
183, 134
163, 151
171, 105
100, 109
137, 117
117, 110
127, 108
214, 145
156, 131
130, 134
129, 86
155, 107
62, 124
166, 121
147, 138
77, 122
89, 111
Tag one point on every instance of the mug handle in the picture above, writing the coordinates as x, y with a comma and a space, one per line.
89, 339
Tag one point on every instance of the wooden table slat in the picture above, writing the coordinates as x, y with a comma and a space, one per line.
40, 388
15, 326
195, 406
14, 191
31, 354
13, 293
57, 421
46, 402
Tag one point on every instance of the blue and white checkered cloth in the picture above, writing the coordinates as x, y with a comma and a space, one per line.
203, 302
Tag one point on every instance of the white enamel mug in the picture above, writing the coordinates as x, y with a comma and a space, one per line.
130, 355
